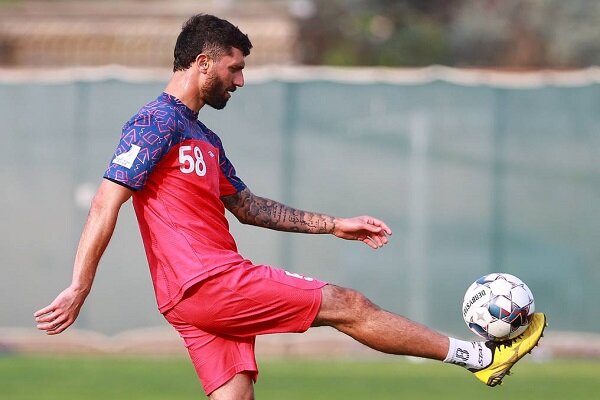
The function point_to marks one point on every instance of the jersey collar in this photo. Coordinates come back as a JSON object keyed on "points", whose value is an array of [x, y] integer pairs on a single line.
{"points": [[185, 110]]}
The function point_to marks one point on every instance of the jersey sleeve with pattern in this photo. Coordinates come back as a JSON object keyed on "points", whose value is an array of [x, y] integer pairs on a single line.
{"points": [[146, 138]]}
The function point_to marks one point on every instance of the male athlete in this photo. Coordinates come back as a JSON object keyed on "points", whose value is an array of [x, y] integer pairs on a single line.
{"points": [[181, 181]]}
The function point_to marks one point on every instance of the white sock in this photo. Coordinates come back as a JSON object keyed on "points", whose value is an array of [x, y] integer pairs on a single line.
{"points": [[471, 355]]}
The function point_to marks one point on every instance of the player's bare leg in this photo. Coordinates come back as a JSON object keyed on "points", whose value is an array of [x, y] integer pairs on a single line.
{"points": [[352, 313], [240, 387]]}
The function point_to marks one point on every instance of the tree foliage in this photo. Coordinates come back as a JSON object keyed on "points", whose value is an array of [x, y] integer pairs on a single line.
{"points": [[478, 33]]}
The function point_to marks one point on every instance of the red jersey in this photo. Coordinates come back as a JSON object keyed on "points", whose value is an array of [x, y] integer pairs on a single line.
{"points": [[178, 170]]}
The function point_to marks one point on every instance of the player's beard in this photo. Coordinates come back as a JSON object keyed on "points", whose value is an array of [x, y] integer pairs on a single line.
{"points": [[216, 93]]}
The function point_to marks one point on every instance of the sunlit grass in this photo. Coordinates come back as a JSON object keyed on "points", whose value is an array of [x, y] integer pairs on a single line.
{"points": [[93, 377]]}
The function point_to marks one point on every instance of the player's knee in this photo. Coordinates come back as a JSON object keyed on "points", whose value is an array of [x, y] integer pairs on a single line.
{"points": [[232, 396], [240, 387], [340, 306]]}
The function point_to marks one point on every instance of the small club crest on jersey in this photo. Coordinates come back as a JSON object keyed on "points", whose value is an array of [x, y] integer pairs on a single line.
{"points": [[126, 159]]}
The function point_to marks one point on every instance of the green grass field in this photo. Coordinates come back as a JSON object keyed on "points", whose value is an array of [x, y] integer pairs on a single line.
{"points": [[93, 377]]}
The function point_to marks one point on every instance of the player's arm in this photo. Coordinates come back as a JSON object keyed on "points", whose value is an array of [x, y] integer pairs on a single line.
{"points": [[98, 229], [259, 211]]}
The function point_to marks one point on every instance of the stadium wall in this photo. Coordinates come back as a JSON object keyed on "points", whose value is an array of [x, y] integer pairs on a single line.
{"points": [[475, 171]]}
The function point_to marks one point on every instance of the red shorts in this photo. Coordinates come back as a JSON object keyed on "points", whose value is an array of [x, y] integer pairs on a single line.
{"points": [[219, 318]]}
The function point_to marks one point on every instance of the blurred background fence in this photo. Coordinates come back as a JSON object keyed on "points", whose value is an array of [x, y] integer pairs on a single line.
{"points": [[475, 172]]}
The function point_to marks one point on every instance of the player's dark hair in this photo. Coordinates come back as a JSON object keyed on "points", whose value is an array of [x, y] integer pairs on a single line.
{"points": [[210, 35]]}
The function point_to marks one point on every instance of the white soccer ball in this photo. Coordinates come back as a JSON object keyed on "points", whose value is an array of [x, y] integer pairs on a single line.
{"points": [[498, 306]]}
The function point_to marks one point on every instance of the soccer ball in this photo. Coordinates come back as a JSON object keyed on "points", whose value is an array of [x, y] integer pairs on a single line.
{"points": [[498, 307]]}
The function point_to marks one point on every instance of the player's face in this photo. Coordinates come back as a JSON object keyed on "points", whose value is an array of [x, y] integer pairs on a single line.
{"points": [[224, 77]]}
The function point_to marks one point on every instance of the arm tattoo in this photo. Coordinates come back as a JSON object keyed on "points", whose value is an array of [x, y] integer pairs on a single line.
{"points": [[258, 211]]}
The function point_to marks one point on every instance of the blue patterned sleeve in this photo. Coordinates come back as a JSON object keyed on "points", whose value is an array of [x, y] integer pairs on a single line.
{"points": [[145, 139]]}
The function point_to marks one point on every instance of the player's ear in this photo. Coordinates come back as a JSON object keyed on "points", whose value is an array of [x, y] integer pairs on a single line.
{"points": [[202, 63]]}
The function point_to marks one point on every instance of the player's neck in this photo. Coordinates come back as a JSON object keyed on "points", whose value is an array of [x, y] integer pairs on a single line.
{"points": [[184, 86]]}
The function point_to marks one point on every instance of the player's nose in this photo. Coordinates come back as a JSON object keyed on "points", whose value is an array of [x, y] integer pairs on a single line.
{"points": [[238, 80]]}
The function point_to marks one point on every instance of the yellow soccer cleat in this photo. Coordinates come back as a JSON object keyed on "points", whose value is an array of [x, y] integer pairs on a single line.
{"points": [[506, 354]]}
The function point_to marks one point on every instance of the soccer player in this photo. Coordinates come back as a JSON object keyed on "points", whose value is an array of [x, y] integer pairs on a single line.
{"points": [[177, 173]]}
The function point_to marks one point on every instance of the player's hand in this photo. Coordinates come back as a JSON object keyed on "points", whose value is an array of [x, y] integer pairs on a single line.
{"points": [[62, 312], [369, 230]]}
